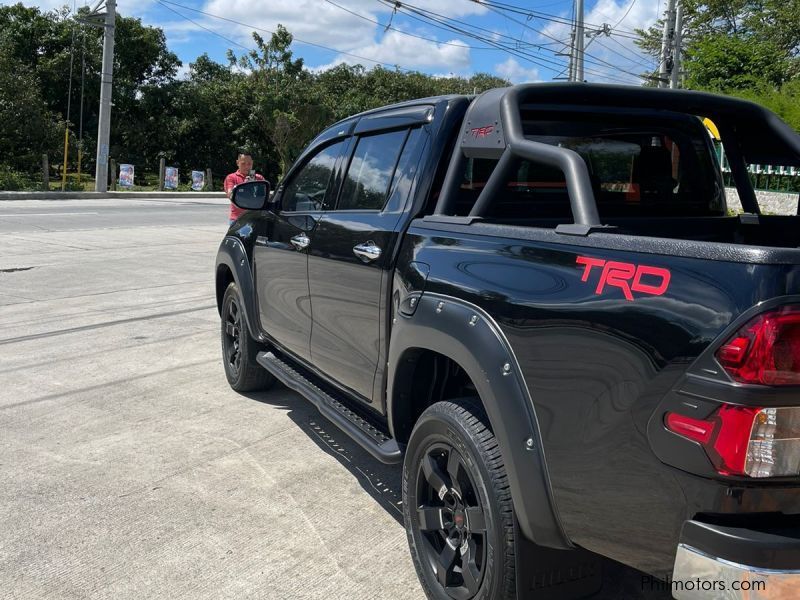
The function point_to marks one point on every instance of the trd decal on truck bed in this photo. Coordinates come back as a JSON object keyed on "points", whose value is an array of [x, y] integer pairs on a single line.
{"points": [[626, 276]]}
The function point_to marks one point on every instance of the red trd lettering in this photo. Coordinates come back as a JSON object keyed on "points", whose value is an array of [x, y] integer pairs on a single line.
{"points": [[655, 290], [589, 263], [617, 274], [625, 276], [480, 132]]}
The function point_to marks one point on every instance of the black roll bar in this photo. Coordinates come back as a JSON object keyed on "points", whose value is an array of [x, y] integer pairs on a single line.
{"points": [[498, 134]]}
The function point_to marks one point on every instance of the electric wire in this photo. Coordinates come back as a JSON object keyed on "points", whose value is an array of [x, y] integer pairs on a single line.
{"points": [[593, 59], [447, 22], [270, 32], [195, 23], [625, 16], [641, 58], [441, 22], [547, 16], [420, 37], [615, 30], [541, 62]]}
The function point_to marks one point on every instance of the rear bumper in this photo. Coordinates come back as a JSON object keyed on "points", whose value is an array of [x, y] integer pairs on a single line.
{"points": [[715, 561]]}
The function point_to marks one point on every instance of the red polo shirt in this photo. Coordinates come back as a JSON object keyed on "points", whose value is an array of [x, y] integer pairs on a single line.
{"points": [[231, 181]]}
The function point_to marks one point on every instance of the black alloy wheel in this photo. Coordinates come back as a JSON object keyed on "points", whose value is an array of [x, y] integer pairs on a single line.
{"points": [[239, 350], [457, 505], [232, 332], [452, 522]]}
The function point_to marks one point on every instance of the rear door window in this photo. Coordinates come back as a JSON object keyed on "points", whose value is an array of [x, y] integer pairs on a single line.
{"points": [[370, 172]]}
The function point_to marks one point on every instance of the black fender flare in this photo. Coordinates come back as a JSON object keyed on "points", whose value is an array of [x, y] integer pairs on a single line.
{"points": [[470, 336], [233, 255]]}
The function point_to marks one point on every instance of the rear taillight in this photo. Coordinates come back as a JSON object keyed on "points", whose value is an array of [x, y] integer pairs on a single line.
{"points": [[765, 351], [744, 440]]}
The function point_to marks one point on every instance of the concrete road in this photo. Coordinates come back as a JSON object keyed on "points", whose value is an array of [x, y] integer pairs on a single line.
{"points": [[128, 468]]}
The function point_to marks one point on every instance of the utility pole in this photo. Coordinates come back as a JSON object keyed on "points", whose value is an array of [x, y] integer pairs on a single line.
{"points": [[674, 80], [106, 79], [571, 68], [579, 40], [665, 62]]}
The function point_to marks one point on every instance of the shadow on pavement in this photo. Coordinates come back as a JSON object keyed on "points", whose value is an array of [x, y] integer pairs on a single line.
{"points": [[383, 483]]}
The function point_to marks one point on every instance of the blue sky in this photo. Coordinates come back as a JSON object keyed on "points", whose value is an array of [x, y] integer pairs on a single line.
{"points": [[419, 35]]}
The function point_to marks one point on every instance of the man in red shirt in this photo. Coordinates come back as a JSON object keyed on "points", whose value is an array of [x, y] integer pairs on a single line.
{"points": [[243, 173]]}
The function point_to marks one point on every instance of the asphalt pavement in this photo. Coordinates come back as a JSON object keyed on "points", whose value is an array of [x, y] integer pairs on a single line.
{"points": [[129, 469]]}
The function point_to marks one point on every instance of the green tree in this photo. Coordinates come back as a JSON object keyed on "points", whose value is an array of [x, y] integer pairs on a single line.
{"points": [[27, 128], [286, 108], [723, 62], [735, 44], [44, 43]]}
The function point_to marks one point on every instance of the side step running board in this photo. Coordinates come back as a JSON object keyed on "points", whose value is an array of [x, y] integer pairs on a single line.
{"points": [[374, 441]]}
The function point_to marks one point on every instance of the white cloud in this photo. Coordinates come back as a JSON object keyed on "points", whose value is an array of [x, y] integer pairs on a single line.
{"points": [[356, 37], [309, 20], [515, 72], [394, 48]]}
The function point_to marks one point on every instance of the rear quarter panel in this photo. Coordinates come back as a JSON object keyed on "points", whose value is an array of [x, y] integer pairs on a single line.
{"points": [[597, 364]]}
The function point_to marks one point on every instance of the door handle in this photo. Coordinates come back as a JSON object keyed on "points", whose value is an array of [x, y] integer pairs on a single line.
{"points": [[301, 241], [367, 251]]}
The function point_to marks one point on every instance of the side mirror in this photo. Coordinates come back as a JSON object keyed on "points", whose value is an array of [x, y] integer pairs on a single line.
{"points": [[251, 195]]}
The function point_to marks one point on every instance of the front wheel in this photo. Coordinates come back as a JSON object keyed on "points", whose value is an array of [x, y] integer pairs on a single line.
{"points": [[457, 503], [239, 350]]}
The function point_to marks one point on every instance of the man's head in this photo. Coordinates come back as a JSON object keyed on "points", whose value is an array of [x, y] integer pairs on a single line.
{"points": [[244, 162]]}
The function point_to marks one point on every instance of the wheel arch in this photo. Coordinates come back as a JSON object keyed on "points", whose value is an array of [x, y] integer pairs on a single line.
{"points": [[233, 265], [472, 340]]}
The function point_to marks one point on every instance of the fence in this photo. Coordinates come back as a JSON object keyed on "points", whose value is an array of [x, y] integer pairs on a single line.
{"points": [[768, 178]]}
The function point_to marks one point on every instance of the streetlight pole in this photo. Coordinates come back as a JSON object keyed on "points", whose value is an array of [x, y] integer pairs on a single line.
{"points": [[106, 80]]}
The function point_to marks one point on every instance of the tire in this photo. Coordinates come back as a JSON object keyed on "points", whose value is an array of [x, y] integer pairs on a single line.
{"points": [[239, 350], [457, 505]]}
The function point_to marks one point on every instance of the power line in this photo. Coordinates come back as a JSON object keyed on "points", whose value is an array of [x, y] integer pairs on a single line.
{"points": [[640, 58], [419, 15], [411, 11], [547, 16], [539, 61], [447, 21], [430, 17], [596, 60], [419, 37], [193, 22], [270, 32], [625, 16]]}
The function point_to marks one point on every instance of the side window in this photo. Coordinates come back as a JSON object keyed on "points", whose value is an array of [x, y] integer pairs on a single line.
{"points": [[307, 189], [370, 172]]}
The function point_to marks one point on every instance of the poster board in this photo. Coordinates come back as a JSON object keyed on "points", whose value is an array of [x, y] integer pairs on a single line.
{"points": [[126, 175], [198, 181], [171, 178]]}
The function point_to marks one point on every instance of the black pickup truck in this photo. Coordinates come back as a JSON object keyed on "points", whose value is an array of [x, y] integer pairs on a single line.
{"points": [[537, 300]]}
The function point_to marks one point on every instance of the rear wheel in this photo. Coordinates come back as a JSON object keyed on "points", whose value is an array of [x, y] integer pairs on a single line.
{"points": [[239, 350], [458, 511]]}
